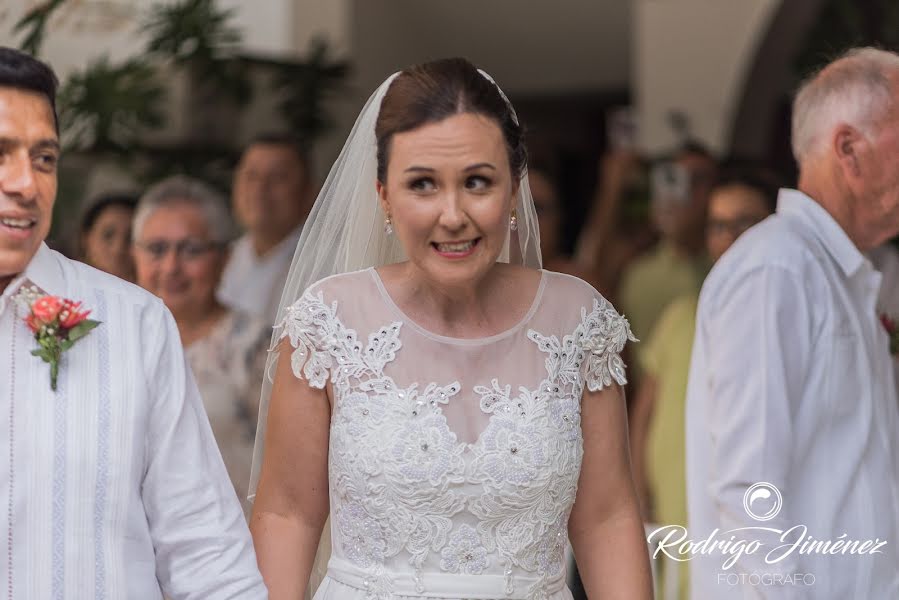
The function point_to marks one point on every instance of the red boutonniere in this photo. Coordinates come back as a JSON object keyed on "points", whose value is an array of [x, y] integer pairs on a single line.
{"points": [[57, 323], [892, 330]]}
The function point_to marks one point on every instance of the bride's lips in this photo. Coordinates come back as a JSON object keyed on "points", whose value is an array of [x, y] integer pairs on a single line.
{"points": [[456, 249]]}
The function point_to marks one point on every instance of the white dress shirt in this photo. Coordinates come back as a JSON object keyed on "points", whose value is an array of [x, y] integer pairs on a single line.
{"points": [[112, 487], [790, 384], [254, 283]]}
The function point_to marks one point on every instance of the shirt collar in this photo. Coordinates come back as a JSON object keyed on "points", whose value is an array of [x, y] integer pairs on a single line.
{"points": [[833, 238], [43, 271]]}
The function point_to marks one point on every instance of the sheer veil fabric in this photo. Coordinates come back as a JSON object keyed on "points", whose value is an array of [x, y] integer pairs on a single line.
{"points": [[345, 233]]}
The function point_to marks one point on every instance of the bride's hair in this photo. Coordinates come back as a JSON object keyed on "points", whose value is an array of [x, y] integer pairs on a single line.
{"points": [[434, 91]]}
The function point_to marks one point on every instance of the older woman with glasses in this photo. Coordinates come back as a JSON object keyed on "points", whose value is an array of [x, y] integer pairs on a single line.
{"points": [[181, 234]]}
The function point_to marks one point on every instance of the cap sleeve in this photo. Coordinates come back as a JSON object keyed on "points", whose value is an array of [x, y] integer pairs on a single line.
{"points": [[311, 327], [605, 332]]}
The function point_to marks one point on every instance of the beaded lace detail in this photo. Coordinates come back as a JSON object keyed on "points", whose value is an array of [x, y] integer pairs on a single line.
{"points": [[401, 481]]}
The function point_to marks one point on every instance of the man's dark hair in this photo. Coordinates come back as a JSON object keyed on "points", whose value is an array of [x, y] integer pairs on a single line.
{"points": [[24, 72], [285, 140], [754, 177], [694, 147]]}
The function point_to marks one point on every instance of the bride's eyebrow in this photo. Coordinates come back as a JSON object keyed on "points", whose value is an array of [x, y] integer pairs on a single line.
{"points": [[480, 166], [474, 167]]}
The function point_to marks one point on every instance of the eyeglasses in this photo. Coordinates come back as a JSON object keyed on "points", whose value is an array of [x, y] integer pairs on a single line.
{"points": [[184, 249]]}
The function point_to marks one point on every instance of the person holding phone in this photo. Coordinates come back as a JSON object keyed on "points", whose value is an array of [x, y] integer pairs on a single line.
{"points": [[677, 264]]}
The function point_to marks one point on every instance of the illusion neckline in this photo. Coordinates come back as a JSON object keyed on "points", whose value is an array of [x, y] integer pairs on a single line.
{"points": [[479, 341]]}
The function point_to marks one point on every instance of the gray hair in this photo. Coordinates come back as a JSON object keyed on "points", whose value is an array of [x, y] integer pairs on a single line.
{"points": [[183, 190], [856, 89]]}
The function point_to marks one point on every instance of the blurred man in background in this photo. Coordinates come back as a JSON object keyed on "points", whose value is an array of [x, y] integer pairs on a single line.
{"points": [[271, 199], [739, 200], [792, 413]]}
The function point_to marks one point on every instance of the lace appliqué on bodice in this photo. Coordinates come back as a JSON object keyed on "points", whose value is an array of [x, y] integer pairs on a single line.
{"points": [[398, 474]]}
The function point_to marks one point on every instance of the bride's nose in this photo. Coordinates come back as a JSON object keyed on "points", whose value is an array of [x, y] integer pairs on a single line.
{"points": [[452, 215]]}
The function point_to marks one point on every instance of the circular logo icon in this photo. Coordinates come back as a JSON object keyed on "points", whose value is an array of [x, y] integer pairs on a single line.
{"points": [[762, 501]]}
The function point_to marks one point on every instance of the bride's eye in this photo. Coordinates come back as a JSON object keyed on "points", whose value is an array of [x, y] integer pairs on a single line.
{"points": [[477, 183], [422, 184]]}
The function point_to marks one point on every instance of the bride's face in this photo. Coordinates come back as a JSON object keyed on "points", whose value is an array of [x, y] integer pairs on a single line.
{"points": [[449, 195]]}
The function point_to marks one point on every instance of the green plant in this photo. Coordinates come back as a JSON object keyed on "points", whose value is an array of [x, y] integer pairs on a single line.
{"points": [[34, 25], [198, 36], [105, 106], [307, 87], [191, 30]]}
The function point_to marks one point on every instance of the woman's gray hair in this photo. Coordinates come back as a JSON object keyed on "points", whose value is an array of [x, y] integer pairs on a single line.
{"points": [[184, 190], [856, 89]]}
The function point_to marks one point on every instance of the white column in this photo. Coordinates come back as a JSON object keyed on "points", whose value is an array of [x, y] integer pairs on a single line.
{"points": [[693, 56]]}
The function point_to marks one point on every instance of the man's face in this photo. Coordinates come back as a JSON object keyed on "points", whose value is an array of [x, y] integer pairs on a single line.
{"points": [[269, 190], [880, 180], [733, 208], [701, 170], [29, 152]]}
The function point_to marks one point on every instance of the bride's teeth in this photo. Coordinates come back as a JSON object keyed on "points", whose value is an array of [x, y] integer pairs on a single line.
{"points": [[463, 247], [17, 223]]}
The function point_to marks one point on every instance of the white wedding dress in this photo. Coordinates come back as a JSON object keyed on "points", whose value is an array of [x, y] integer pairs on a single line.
{"points": [[453, 463]]}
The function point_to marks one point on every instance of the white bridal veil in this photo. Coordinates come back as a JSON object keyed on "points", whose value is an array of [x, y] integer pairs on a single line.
{"points": [[345, 233]]}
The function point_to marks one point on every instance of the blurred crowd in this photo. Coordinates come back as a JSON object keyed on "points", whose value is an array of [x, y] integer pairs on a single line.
{"points": [[181, 240], [655, 227]]}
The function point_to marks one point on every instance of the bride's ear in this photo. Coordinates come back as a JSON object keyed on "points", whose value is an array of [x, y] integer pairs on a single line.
{"points": [[382, 197]]}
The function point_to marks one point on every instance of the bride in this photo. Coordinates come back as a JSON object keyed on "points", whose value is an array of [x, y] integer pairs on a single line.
{"points": [[453, 407]]}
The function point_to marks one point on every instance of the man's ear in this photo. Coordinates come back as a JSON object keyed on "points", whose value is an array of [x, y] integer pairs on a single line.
{"points": [[382, 197], [847, 145]]}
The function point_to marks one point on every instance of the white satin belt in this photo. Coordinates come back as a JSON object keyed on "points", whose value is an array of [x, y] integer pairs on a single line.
{"points": [[444, 585]]}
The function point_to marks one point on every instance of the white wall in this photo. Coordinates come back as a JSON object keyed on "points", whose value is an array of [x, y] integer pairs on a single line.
{"points": [[693, 56], [539, 46], [80, 32], [266, 25], [329, 18]]}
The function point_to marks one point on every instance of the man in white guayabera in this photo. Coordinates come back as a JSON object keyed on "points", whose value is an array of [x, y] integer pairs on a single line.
{"points": [[111, 485], [791, 376]]}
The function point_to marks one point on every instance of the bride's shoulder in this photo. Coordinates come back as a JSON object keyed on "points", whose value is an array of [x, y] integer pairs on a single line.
{"points": [[561, 287], [350, 281], [339, 287]]}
